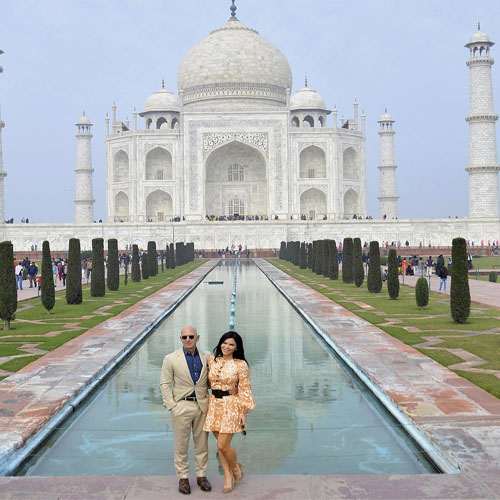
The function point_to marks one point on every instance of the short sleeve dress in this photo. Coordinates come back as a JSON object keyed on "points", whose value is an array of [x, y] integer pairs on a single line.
{"points": [[225, 415]]}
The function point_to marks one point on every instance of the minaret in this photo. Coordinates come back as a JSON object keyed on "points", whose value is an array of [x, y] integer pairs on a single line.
{"points": [[84, 200], [483, 168], [3, 175], [388, 198]]}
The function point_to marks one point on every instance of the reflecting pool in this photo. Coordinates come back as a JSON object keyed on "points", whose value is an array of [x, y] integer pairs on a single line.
{"points": [[312, 416]]}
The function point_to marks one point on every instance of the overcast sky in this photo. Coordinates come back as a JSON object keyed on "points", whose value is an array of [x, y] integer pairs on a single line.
{"points": [[64, 56]]}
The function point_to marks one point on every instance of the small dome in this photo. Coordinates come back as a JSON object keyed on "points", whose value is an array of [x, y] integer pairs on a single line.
{"points": [[307, 98], [480, 37], [163, 100], [385, 117], [84, 120]]}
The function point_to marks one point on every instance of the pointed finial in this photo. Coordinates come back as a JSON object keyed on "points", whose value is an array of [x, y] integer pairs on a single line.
{"points": [[305, 81], [233, 9], [479, 26], [385, 110], [163, 84]]}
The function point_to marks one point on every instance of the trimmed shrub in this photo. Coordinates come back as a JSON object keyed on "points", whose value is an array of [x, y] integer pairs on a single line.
{"points": [[357, 263], [282, 250], [172, 256], [152, 259], [492, 277], [8, 291], [325, 261], [309, 255], [48, 289], [179, 253], [459, 290], [190, 251], [333, 263], [374, 272], [392, 274], [303, 256], [422, 292], [347, 260], [145, 265], [136, 268], [74, 273], [162, 258], [97, 283], [113, 277]]}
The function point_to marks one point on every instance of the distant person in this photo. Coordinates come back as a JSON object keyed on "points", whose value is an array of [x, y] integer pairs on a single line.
{"points": [[19, 271], [32, 273], [443, 276]]}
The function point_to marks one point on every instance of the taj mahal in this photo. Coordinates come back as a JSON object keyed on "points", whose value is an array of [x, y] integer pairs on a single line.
{"points": [[237, 156]]}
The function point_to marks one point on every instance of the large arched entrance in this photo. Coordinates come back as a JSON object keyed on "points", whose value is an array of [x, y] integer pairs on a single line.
{"points": [[121, 207], [313, 204], [159, 206], [158, 165], [235, 181], [351, 204]]}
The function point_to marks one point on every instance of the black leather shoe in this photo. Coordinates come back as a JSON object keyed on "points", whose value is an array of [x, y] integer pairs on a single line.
{"points": [[204, 484], [184, 487]]}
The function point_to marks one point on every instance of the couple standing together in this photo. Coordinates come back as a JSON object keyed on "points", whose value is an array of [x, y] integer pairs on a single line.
{"points": [[186, 377]]}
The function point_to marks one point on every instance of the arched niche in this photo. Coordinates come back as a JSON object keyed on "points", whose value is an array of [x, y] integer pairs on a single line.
{"points": [[159, 206], [120, 166], [295, 122], [158, 165], [161, 123], [350, 164], [121, 207], [235, 171], [312, 163], [313, 204], [308, 121], [351, 204], [174, 124]]}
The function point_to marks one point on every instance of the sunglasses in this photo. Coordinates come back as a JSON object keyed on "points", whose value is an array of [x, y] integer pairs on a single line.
{"points": [[185, 337]]}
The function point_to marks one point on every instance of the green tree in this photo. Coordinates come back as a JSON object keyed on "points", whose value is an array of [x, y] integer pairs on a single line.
{"points": [[8, 291], [172, 256], [309, 255], [162, 259], [492, 276], [459, 290], [190, 251], [152, 259], [357, 263], [333, 263], [303, 255], [392, 274], [282, 250], [48, 289], [74, 273], [422, 292], [136, 268], [374, 272], [145, 265], [113, 277], [98, 282], [347, 260], [179, 253]]}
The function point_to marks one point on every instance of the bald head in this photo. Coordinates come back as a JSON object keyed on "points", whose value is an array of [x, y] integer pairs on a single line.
{"points": [[189, 338], [189, 329]]}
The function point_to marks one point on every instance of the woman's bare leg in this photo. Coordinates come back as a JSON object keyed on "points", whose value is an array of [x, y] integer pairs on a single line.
{"points": [[225, 450]]}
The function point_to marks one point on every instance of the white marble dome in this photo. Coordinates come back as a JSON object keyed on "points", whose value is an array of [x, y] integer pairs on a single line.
{"points": [[307, 98], [480, 37], [236, 60], [84, 120], [163, 100]]}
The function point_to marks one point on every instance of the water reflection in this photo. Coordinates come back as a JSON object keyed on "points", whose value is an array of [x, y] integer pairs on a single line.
{"points": [[311, 415]]}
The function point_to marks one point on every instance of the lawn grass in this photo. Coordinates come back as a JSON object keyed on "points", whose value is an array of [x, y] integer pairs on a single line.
{"points": [[66, 322], [492, 262], [433, 320]]}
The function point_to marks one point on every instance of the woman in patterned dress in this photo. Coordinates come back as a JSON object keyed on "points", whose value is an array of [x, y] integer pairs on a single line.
{"points": [[230, 401]]}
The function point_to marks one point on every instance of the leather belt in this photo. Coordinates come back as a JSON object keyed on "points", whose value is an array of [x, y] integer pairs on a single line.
{"points": [[191, 397], [220, 394]]}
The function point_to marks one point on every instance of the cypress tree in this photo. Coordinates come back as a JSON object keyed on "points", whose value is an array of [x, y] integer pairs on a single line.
{"points": [[190, 251], [316, 263], [333, 265], [113, 278], [422, 292], [374, 272], [459, 290], [282, 250], [145, 265], [357, 263], [347, 260], [74, 273], [309, 255], [303, 256], [136, 268], [392, 274], [172, 256], [8, 291], [98, 282], [179, 253], [152, 259], [48, 289], [162, 258]]}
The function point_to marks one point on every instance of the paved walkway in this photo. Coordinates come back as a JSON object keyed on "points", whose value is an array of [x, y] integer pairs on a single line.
{"points": [[482, 292], [28, 293]]}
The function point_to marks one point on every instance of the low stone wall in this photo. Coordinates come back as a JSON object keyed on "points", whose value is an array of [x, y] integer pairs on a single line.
{"points": [[253, 234]]}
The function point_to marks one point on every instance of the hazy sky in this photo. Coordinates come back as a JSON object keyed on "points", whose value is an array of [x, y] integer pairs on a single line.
{"points": [[63, 56]]}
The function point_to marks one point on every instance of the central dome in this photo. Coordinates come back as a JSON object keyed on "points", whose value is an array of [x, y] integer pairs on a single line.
{"points": [[234, 62]]}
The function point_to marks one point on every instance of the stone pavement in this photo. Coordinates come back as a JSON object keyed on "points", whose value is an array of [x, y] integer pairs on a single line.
{"points": [[28, 293], [35, 394], [482, 292]]}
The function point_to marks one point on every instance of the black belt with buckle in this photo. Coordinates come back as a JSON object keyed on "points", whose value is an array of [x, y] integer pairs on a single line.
{"points": [[220, 394], [191, 397]]}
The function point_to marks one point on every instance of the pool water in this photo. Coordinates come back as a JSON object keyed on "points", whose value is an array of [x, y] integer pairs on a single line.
{"points": [[312, 416]]}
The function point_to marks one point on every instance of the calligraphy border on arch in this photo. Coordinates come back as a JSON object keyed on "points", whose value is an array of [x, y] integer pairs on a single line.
{"points": [[213, 140]]}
